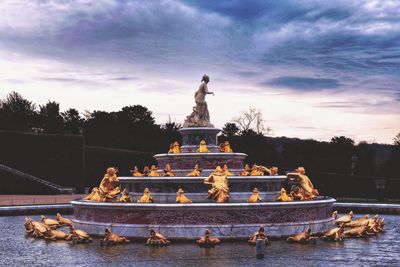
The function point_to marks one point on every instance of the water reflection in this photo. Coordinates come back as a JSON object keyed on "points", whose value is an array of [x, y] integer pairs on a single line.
{"points": [[17, 250]]}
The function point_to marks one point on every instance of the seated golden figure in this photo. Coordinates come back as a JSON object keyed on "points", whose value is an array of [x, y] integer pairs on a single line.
{"points": [[208, 241], [255, 171], [146, 171], [307, 188], [226, 171], [246, 171], [168, 171], [146, 197], [225, 147], [126, 198], [196, 172], [109, 186], [255, 197], [203, 147], [176, 149], [156, 239], [111, 238], [181, 198], [153, 171], [283, 196], [295, 193], [95, 195], [260, 234], [303, 238], [219, 182], [136, 173]]}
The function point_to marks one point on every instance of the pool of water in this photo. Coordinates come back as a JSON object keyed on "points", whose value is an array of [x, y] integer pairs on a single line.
{"points": [[18, 250]]}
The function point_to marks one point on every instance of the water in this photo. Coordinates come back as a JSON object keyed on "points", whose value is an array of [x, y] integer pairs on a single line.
{"points": [[17, 250]]}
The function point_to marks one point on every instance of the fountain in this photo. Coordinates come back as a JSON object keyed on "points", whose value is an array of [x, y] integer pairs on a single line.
{"points": [[235, 219]]}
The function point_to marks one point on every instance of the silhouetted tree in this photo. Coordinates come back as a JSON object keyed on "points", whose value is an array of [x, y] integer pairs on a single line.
{"points": [[252, 120], [50, 118], [230, 129], [72, 121], [396, 140], [17, 113]]}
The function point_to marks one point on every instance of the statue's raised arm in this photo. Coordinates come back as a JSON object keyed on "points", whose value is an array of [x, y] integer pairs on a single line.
{"points": [[200, 117]]}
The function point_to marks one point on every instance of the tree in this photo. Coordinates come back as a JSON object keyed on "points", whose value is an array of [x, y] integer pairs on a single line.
{"points": [[252, 119], [50, 118], [17, 113], [72, 121], [396, 140], [230, 129], [342, 140]]}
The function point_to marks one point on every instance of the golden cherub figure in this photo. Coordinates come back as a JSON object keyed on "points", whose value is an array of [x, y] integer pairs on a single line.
{"points": [[226, 171], [125, 196], [196, 172], [174, 148], [136, 173], [255, 197], [283, 196], [246, 171], [307, 189], [168, 171], [153, 171], [219, 182], [181, 198], [203, 147], [146, 197], [109, 186]]}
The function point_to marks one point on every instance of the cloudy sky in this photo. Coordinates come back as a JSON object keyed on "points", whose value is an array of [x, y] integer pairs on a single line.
{"points": [[316, 69]]}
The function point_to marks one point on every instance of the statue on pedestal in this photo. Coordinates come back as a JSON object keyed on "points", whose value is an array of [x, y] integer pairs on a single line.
{"points": [[200, 117]]}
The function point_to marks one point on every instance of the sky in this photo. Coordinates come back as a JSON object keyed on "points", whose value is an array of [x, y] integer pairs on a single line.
{"points": [[316, 69]]}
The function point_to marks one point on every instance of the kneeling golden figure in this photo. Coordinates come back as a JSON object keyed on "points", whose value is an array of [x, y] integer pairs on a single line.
{"points": [[260, 234], [255, 197], [203, 147], [219, 185], [146, 197], [181, 198], [196, 172], [111, 238], [168, 171], [283, 196], [226, 171], [156, 239], [95, 195], [153, 171], [125, 198], [307, 188], [208, 241]]}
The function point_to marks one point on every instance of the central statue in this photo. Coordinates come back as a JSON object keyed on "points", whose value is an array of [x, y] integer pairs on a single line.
{"points": [[200, 117]]}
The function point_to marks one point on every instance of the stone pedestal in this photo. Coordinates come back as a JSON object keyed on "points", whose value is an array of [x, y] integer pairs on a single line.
{"points": [[192, 136]]}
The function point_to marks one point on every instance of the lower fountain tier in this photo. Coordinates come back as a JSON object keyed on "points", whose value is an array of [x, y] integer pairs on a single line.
{"points": [[196, 184], [188, 221], [206, 161]]}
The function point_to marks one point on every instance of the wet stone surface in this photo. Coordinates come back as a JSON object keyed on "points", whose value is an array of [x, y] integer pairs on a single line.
{"points": [[17, 250]]}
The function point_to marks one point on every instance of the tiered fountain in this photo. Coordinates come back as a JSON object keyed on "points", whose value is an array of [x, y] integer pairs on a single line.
{"points": [[235, 219]]}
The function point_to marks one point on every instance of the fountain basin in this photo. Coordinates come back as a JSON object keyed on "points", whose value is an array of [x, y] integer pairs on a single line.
{"points": [[188, 221]]}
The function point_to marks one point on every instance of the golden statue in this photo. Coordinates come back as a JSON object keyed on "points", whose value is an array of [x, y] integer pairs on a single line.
{"points": [[226, 171], [271, 171], [95, 195], [283, 196], [181, 198], [156, 239], [63, 221], [168, 171], [146, 171], [203, 147], [246, 171], [135, 172], [53, 224], [360, 231], [303, 238], [79, 236], [255, 197], [146, 197], [109, 186], [359, 222], [295, 193], [35, 229], [126, 198], [153, 171], [307, 188], [111, 239], [54, 235], [175, 148], [225, 147], [260, 234], [219, 182], [196, 172], [255, 171], [208, 241], [344, 219], [335, 234]]}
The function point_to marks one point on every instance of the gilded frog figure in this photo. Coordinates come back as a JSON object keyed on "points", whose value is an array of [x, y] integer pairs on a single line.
{"points": [[156, 239], [135, 172], [260, 234], [203, 147], [111, 238], [168, 171]]}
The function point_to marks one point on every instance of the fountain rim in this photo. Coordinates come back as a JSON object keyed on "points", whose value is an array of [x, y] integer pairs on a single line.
{"points": [[200, 178], [325, 200], [200, 154]]}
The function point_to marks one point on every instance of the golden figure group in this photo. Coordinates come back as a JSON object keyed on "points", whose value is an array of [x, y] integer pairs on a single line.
{"points": [[225, 147], [219, 185], [108, 189]]}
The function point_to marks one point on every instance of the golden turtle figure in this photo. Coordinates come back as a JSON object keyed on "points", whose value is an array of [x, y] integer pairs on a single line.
{"points": [[79, 236], [111, 238], [53, 224], [208, 241], [54, 235]]}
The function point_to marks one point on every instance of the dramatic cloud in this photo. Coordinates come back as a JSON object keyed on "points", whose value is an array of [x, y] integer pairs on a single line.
{"points": [[341, 57]]}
